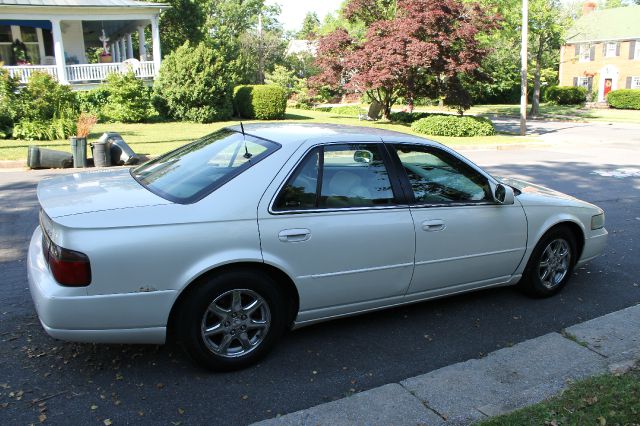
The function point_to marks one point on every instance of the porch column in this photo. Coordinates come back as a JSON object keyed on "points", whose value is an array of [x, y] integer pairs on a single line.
{"points": [[123, 50], [116, 51], [142, 44], [58, 50], [129, 46], [155, 32]]}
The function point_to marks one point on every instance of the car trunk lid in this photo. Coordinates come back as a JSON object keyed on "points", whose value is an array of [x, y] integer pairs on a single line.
{"points": [[98, 190]]}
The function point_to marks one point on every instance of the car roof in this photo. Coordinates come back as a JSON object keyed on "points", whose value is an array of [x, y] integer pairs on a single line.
{"points": [[298, 133]]}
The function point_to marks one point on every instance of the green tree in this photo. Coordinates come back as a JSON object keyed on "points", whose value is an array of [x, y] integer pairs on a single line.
{"points": [[283, 77], [310, 26], [249, 48], [183, 21]]}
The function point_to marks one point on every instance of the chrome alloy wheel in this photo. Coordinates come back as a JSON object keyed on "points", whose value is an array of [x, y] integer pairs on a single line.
{"points": [[235, 323], [554, 263]]}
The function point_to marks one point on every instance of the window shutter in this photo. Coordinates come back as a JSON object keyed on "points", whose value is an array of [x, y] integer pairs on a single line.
{"points": [[577, 47], [575, 81], [592, 54], [618, 49], [629, 82], [589, 84], [632, 49], [604, 49]]}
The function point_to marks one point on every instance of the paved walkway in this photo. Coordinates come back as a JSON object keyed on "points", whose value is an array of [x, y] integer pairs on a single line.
{"points": [[505, 380]]}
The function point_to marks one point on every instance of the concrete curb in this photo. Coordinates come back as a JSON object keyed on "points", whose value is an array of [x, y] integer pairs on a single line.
{"points": [[503, 381]]}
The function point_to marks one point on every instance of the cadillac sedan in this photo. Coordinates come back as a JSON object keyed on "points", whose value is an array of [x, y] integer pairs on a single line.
{"points": [[227, 242]]}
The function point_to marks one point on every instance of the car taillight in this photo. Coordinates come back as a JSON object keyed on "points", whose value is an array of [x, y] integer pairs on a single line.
{"points": [[69, 268]]}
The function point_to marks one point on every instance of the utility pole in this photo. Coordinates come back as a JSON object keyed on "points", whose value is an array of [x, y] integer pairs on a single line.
{"points": [[523, 71], [260, 51]]}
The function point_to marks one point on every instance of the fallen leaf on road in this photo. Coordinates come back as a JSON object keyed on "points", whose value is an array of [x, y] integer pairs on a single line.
{"points": [[245, 396], [107, 422], [180, 410], [42, 417], [94, 407]]}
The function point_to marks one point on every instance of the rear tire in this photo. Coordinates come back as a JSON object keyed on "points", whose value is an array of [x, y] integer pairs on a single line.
{"points": [[551, 264], [232, 320]]}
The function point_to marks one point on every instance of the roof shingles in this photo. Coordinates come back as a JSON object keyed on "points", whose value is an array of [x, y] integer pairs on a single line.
{"points": [[621, 23]]}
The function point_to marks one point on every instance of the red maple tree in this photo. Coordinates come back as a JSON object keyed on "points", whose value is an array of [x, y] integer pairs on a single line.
{"points": [[425, 49]]}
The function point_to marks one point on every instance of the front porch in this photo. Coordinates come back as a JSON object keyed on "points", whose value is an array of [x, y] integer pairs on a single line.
{"points": [[80, 45]]}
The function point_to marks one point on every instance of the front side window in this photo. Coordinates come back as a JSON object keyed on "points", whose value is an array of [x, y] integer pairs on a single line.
{"points": [[584, 52], [191, 172], [437, 177], [611, 49], [583, 82], [338, 176], [635, 82]]}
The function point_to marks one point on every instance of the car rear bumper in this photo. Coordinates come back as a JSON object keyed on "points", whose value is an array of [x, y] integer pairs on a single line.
{"points": [[593, 246], [69, 313]]}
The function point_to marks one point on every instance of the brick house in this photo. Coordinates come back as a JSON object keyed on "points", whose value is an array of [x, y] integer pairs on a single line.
{"points": [[602, 51]]}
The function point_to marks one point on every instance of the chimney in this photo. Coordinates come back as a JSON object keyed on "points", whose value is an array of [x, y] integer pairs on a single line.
{"points": [[588, 7]]}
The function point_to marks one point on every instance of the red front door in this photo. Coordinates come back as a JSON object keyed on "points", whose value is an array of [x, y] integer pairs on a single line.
{"points": [[607, 86]]}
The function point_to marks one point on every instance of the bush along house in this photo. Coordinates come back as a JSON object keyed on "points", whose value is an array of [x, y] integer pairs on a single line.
{"points": [[602, 51]]}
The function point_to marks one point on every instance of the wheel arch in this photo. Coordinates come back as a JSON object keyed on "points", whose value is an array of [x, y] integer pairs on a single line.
{"points": [[282, 279], [574, 226]]}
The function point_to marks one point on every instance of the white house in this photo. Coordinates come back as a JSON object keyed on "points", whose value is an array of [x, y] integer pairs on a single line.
{"points": [[54, 35]]}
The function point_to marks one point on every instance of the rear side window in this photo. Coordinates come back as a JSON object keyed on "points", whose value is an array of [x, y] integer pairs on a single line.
{"points": [[338, 176], [190, 173]]}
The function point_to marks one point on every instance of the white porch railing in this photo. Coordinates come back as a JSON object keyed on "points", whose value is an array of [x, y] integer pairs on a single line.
{"points": [[23, 72], [99, 72], [85, 72]]}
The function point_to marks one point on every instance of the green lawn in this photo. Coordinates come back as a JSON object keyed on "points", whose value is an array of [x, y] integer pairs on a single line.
{"points": [[603, 400], [157, 138], [555, 112]]}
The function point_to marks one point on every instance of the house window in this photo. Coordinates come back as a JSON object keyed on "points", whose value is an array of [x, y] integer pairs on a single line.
{"points": [[584, 52], [30, 40], [583, 82], [635, 82], [611, 49], [636, 54], [5, 44]]}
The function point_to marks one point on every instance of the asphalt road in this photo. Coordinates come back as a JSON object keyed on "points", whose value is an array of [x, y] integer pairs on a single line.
{"points": [[87, 384]]}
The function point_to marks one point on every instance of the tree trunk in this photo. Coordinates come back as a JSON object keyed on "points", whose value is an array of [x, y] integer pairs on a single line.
{"points": [[535, 103]]}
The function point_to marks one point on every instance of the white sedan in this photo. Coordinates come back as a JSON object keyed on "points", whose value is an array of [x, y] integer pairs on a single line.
{"points": [[229, 241]]}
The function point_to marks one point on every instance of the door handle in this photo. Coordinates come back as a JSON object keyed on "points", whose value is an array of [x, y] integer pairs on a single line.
{"points": [[294, 235], [433, 225]]}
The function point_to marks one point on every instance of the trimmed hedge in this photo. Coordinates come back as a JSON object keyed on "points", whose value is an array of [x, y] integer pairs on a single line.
{"points": [[624, 99], [128, 101], [453, 125], [566, 95], [260, 101], [343, 110]]}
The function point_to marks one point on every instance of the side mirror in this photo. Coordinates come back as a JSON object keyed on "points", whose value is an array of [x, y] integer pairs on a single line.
{"points": [[362, 156], [504, 194]]}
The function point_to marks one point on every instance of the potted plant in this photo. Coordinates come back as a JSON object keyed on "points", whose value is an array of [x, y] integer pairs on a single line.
{"points": [[79, 142]]}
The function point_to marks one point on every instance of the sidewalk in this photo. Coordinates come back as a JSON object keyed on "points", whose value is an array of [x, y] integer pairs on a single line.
{"points": [[505, 380]]}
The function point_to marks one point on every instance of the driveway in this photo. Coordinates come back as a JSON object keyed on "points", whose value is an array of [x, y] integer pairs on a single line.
{"points": [[88, 384]]}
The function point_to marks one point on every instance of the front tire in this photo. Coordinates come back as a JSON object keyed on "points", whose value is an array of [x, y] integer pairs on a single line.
{"points": [[232, 320], [551, 264]]}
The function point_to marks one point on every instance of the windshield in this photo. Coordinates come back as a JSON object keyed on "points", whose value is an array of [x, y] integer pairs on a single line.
{"points": [[193, 171]]}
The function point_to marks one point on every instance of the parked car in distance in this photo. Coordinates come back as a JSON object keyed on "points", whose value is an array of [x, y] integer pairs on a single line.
{"points": [[227, 242]]}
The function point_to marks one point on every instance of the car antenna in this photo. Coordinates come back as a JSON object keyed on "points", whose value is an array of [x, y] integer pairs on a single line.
{"points": [[247, 154]]}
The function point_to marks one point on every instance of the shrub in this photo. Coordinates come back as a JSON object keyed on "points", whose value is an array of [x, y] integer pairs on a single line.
{"points": [[57, 128], [352, 110], [93, 101], [43, 99], [9, 106], [454, 126], [128, 100], [195, 84], [624, 99], [566, 95], [408, 117], [261, 101]]}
